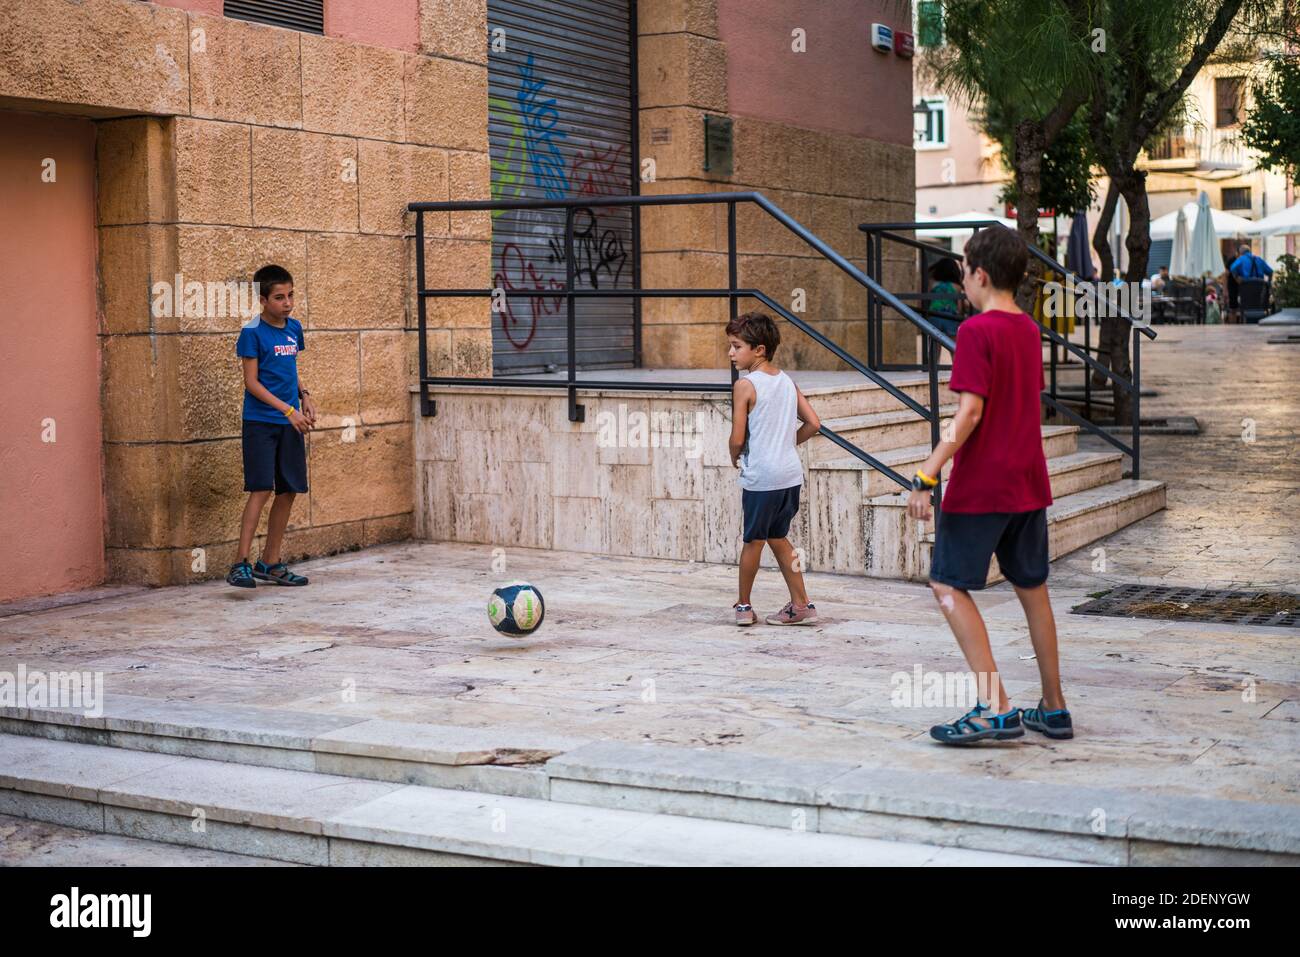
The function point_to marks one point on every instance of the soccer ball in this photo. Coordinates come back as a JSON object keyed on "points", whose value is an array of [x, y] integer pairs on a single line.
{"points": [[516, 609]]}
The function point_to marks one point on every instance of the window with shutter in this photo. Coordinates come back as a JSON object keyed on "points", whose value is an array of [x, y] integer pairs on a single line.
{"points": [[1228, 92]]}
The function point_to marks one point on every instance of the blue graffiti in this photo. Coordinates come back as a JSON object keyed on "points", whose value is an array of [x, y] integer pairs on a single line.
{"points": [[540, 119]]}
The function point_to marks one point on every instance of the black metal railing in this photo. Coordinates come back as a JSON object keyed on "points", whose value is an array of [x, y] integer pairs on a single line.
{"points": [[733, 293], [878, 233]]}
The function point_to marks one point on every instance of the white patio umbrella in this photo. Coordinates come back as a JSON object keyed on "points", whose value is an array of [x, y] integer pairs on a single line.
{"points": [[1226, 225], [1285, 223], [1182, 246], [941, 231], [1205, 258]]}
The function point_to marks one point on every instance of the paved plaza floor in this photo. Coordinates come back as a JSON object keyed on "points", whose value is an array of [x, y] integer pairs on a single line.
{"points": [[643, 650]]}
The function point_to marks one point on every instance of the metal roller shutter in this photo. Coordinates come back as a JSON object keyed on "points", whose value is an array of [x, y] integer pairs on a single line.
{"points": [[560, 126], [307, 16]]}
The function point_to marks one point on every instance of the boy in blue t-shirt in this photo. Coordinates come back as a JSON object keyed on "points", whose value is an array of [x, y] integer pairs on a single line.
{"points": [[278, 412]]}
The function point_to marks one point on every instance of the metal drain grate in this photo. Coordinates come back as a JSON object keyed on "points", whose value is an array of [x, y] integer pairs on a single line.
{"points": [[1278, 609]]}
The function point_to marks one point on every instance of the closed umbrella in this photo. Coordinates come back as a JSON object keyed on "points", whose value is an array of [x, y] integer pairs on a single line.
{"points": [[1205, 259], [1182, 246], [1078, 251]]}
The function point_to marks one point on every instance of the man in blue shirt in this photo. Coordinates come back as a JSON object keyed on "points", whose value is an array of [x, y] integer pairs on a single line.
{"points": [[278, 412], [1249, 266]]}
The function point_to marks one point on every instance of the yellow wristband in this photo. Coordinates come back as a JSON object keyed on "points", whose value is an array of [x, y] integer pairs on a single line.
{"points": [[290, 413], [932, 482]]}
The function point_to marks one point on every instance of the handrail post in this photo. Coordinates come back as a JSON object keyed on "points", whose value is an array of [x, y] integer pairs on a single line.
{"points": [[936, 494], [871, 304], [1137, 402], [427, 406], [732, 306], [1087, 373], [577, 413]]}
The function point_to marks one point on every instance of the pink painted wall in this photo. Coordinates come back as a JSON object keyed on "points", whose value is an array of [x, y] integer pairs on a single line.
{"points": [[378, 23], [838, 84], [51, 493]]}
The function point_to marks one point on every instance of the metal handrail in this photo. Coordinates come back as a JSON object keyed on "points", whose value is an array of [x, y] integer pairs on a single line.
{"points": [[733, 293], [1050, 396]]}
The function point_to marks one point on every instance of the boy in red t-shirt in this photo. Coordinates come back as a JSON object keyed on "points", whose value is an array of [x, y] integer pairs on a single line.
{"points": [[996, 500]]}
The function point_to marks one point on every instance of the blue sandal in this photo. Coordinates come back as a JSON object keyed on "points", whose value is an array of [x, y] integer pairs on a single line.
{"points": [[1054, 724], [278, 573], [241, 575], [1001, 727]]}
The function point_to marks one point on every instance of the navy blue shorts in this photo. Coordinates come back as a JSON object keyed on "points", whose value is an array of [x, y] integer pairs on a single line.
{"points": [[964, 544], [768, 514], [275, 457]]}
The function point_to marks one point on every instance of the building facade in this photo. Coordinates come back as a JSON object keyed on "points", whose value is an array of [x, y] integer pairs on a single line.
{"points": [[161, 152]]}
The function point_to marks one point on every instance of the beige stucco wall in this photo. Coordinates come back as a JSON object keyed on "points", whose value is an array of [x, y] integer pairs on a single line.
{"points": [[825, 173], [223, 145]]}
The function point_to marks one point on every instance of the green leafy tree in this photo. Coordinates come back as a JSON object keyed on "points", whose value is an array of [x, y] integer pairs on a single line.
{"points": [[1027, 63], [1152, 51], [1272, 128]]}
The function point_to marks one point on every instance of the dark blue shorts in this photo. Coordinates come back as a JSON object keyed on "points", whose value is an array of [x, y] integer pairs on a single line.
{"points": [[963, 545], [768, 514], [275, 457]]}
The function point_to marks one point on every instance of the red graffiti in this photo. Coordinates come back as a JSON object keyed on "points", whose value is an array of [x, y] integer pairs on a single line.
{"points": [[518, 273], [600, 172]]}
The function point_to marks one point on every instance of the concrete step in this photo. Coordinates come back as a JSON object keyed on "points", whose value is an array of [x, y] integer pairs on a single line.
{"points": [[874, 432], [28, 843], [1058, 440], [307, 817], [1092, 825], [863, 397], [900, 548], [850, 532], [265, 807]]}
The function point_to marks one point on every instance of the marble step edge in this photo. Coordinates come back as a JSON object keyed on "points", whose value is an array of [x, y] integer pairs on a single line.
{"points": [[500, 759], [1079, 504], [780, 796], [909, 454], [1091, 824], [871, 420], [1067, 506], [912, 381], [312, 818]]}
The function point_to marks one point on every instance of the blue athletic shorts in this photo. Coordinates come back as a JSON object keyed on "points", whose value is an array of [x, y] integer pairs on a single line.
{"points": [[964, 543], [768, 514], [275, 457]]}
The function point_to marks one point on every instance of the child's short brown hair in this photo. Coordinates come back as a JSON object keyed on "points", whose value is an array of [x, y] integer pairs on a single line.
{"points": [[999, 252], [756, 329]]}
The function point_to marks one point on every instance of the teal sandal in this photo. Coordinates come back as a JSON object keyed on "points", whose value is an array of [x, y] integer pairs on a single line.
{"points": [[1001, 727], [241, 575], [1055, 724], [278, 573]]}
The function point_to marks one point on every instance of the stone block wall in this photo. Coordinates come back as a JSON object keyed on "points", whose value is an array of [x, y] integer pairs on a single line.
{"points": [[829, 181], [224, 145]]}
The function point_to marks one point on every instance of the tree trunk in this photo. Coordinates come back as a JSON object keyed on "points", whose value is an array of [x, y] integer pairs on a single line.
{"points": [[1101, 243], [1031, 142]]}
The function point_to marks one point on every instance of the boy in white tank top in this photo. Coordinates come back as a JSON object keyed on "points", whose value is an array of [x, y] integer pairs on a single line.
{"points": [[764, 432]]}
